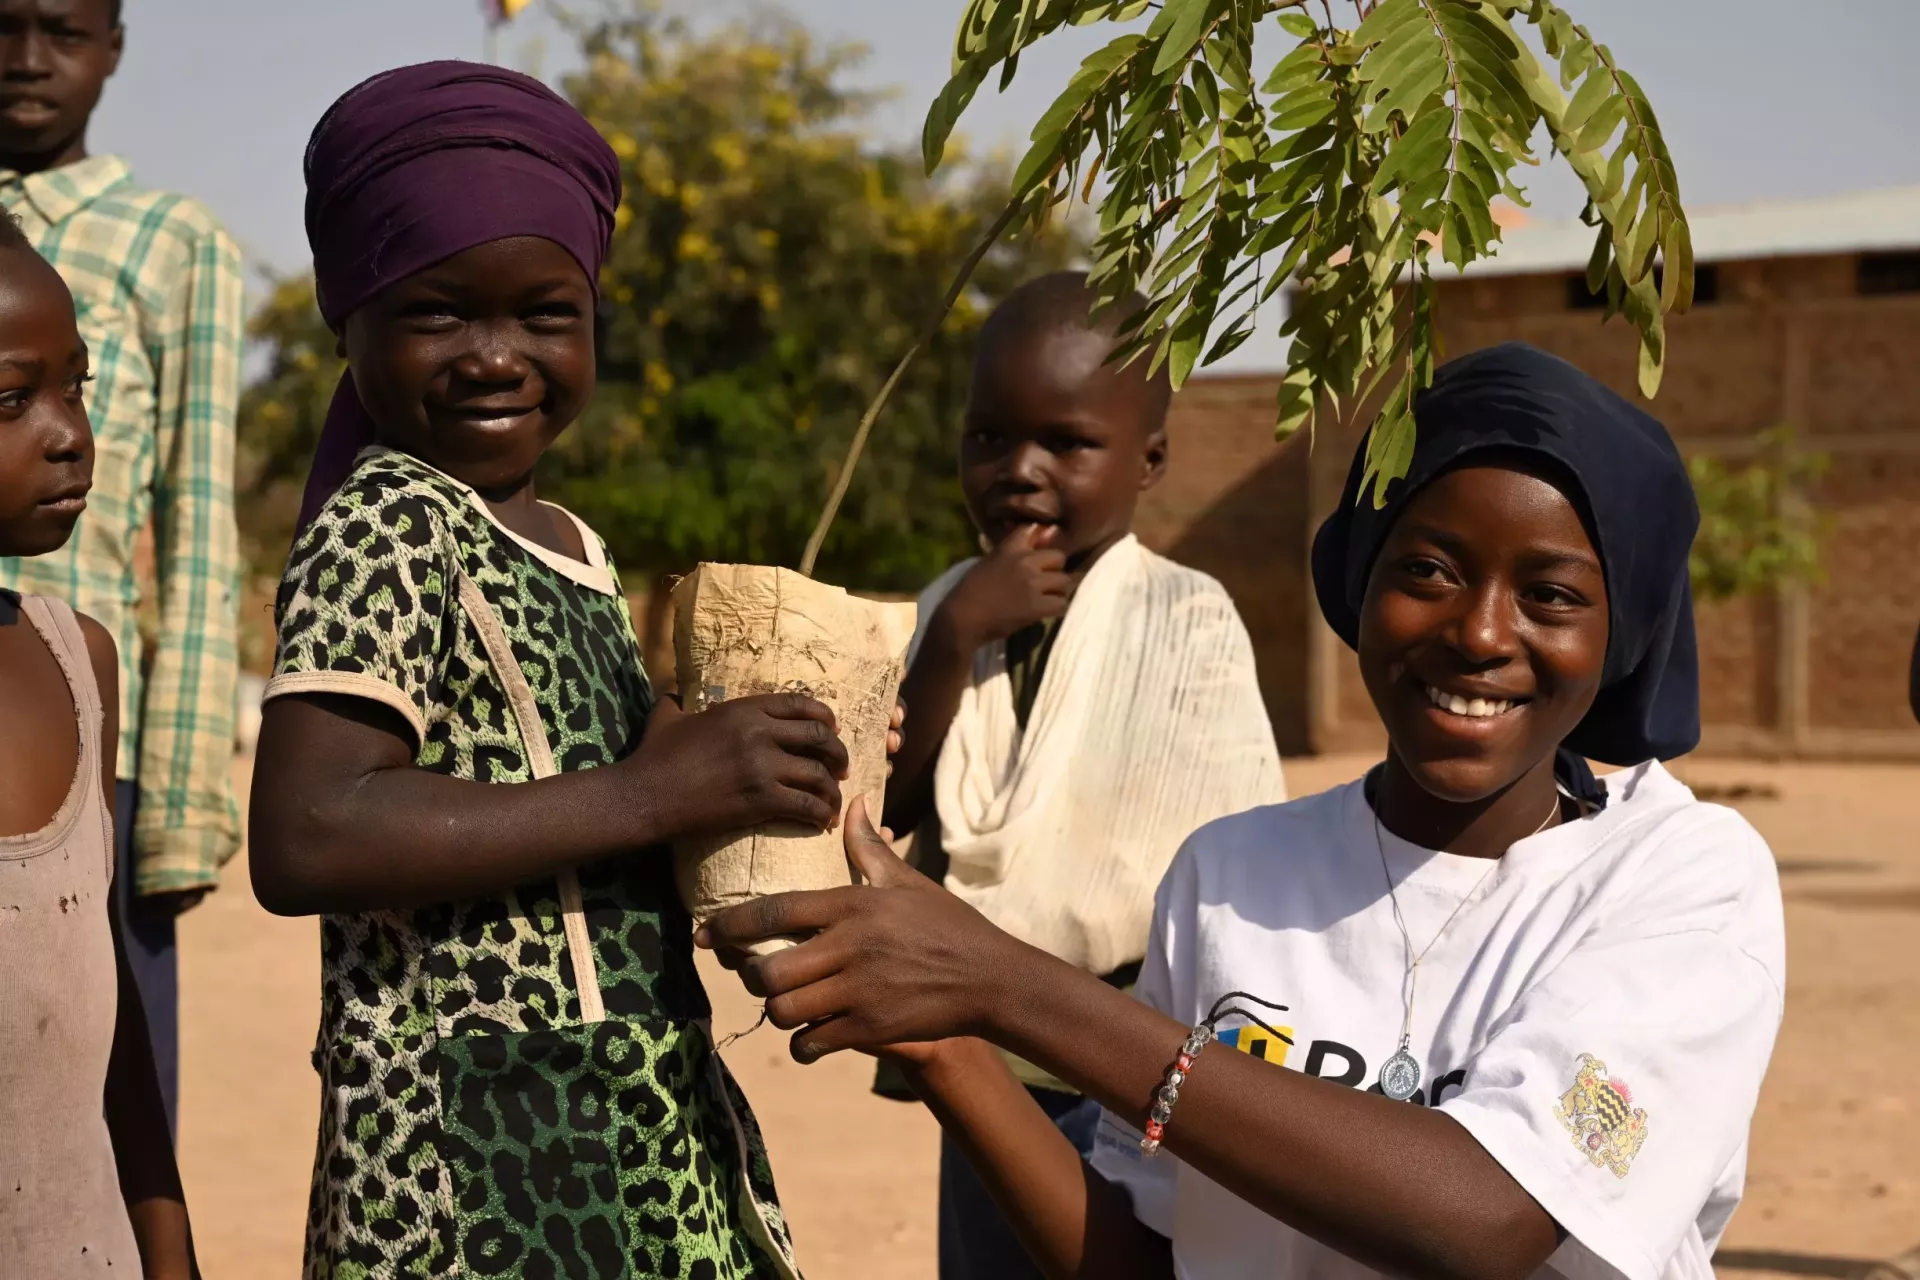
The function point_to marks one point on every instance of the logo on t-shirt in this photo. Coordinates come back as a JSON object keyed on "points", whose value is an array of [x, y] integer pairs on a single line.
{"points": [[1259, 1042], [1326, 1060], [1599, 1112]]}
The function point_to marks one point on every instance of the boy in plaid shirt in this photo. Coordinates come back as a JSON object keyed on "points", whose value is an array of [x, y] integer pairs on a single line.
{"points": [[158, 288]]}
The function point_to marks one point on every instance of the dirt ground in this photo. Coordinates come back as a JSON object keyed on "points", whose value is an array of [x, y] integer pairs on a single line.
{"points": [[1835, 1165]]}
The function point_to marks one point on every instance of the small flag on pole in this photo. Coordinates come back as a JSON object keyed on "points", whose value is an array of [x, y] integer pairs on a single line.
{"points": [[500, 12]]}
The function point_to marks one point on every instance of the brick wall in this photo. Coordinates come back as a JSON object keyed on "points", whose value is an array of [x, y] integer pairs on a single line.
{"points": [[1819, 671]]}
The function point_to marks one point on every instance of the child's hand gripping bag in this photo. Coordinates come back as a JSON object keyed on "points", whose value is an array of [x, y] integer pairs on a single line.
{"points": [[741, 630]]}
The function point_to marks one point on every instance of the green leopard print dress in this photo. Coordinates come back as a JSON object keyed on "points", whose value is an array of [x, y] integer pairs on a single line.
{"points": [[521, 1085]]}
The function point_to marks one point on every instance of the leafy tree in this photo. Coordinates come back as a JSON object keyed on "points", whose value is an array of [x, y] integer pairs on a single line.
{"points": [[771, 262], [1756, 528], [1361, 153]]}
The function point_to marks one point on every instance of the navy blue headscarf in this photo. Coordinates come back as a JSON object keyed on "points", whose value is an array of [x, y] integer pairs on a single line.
{"points": [[1634, 492]]}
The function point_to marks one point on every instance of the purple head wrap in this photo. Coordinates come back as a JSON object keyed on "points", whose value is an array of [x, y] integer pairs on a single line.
{"points": [[421, 163]]}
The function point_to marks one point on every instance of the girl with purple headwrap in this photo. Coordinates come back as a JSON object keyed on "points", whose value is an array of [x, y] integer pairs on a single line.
{"points": [[462, 768]]}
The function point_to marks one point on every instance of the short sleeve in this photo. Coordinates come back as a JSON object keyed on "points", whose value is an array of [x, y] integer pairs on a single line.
{"points": [[1619, 1089], [1166, 979], [365, 603]]}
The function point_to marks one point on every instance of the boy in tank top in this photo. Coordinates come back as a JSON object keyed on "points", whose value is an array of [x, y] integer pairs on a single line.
{"points": [[87, 1158]]}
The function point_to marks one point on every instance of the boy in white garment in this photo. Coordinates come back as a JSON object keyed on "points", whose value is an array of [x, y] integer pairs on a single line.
{"points": [[1077, 704]]}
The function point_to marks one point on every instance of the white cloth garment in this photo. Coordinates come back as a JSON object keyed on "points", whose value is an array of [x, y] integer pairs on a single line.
{"points": [[1598, 1017], [1148, 724]]}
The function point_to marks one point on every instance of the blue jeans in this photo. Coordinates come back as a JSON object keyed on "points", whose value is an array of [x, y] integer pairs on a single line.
{"points": [[976, 1241], [148, 935]]}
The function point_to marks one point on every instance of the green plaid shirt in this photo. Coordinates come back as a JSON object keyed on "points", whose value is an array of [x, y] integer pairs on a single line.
{"points": [[158, 289]]}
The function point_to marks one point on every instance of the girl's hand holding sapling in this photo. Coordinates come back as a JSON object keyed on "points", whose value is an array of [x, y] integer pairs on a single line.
{"points": [[772, 758]]}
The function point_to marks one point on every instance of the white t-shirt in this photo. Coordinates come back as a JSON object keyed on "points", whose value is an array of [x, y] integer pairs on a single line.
{"points": [[1599, 1016]]}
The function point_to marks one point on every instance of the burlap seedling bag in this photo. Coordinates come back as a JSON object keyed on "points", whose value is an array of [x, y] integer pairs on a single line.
{"points": [[743, 629]]}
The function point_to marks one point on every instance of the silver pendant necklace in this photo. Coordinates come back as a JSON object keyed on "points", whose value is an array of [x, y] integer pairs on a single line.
{"points": [[1400, 1074]]}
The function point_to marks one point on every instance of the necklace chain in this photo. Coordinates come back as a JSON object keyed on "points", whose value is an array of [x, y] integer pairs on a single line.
{"points": [[1410, 980]]}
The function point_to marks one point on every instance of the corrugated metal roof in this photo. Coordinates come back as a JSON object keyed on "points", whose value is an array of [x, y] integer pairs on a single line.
{"points": [[1853, 222]]}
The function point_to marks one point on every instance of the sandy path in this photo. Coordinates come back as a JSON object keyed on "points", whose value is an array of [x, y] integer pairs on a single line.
{"points": [[1834, 1166]]}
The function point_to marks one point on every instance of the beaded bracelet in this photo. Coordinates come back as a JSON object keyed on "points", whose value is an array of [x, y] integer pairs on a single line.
{"points": [[1202, 1035], [1169, 1092]]}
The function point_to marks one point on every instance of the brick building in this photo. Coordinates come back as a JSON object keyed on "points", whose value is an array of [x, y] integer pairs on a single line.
{"points": [[1806, 314]]}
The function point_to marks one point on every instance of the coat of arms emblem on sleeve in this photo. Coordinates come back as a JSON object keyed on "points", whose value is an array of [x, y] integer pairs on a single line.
{"points": [[1599, 1112]]}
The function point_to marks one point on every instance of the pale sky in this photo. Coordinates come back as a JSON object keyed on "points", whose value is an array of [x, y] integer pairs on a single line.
{"points": [[1760, 99]]}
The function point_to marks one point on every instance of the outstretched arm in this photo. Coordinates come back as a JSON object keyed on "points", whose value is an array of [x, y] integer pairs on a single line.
{"points": [[1070, 1219], [343, 821], [135, 1109], [1402, 1189]]}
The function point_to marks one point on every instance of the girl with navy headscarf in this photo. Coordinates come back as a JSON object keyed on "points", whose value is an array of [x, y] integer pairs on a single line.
{"points": [[1476, 1014], [462, 768]]}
